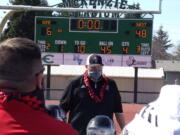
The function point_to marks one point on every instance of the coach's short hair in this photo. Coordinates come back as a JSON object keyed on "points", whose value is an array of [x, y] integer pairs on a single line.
{"points": [[20, 60]]}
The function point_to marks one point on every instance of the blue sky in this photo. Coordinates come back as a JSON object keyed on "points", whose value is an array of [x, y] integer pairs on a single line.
{"points": [[169, 18]]}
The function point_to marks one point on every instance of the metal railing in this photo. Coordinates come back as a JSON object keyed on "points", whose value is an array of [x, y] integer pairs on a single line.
{"points": [[61, 9], [55, 94]]}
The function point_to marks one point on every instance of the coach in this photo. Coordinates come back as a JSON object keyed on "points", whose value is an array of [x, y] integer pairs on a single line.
{"points": [[91, 94]]}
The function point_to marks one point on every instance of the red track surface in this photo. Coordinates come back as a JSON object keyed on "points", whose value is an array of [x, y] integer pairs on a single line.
{"points": [[129, 110]]}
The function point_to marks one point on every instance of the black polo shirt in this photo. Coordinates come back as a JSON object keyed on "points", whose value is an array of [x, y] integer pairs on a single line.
{"points": [[82, 107]]}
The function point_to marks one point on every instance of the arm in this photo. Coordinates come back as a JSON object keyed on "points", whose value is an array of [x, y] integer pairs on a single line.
{"points": [[66, 100], [120, 119], [118, 108]]}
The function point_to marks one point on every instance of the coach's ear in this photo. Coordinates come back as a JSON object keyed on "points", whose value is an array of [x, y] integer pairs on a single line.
{"points": [[39, 81]]}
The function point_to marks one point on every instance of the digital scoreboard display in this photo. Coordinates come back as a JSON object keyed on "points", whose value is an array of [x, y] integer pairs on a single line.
{"points": [[93, 25], [93, 35]]}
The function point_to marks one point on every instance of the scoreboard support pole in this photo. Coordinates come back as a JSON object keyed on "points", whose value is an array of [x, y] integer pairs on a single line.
{"points": [[135, 84], [48, 84]]}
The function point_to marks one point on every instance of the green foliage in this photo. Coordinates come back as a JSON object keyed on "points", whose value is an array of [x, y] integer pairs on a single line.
{"points": [[160, 44], [21, 24], [29, 2]]}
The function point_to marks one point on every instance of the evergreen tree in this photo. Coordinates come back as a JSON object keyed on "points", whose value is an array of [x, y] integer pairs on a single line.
{"points": [[160, 45], [177, 52], [21, 23]]}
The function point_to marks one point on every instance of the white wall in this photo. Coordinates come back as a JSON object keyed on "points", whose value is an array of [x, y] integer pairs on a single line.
{"points": [[123, 83]]}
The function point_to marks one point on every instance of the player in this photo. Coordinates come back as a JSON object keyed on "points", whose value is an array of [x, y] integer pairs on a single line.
{"points": [[100, 125], [161, 117]]}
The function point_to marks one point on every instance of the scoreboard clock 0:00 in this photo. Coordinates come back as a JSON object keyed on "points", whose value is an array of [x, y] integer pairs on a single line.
{"points": [[93, 35]]}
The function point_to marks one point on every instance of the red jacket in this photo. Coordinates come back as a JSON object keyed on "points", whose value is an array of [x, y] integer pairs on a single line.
{"points": [[18, 118]]}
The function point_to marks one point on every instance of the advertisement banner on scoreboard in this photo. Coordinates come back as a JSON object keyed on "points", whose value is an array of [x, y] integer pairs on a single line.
{"points": [[136, 61], [108, 60]]}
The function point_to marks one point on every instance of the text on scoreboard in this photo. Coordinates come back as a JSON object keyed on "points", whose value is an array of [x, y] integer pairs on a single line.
{"points": [[93, 35]]}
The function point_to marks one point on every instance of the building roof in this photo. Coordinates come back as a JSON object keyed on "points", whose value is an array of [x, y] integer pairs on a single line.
{"points": [[112, 71], [168, 65]]}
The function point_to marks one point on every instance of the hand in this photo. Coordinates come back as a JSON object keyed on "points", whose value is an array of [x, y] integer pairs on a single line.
{"points": [[56, 112]]}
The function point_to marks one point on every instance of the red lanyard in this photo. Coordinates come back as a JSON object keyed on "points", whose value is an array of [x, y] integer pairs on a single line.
{"points": [[97, 98]]}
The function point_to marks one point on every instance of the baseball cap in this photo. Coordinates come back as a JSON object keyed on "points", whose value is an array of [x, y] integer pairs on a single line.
{"points": [[94, 60]]}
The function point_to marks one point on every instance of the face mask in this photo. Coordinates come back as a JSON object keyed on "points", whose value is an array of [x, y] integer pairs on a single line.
{"points": [[94, 74]]}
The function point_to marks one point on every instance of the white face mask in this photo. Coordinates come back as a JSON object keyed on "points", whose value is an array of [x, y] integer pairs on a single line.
{"points": [[94, 74]]}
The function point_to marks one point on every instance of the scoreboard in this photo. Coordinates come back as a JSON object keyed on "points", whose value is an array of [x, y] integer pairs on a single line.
{"points": [[94, 35]]}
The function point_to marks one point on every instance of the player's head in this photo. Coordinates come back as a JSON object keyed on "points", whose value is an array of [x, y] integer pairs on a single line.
{"points": [[20, 65], [94, 66], [100, 125]]}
